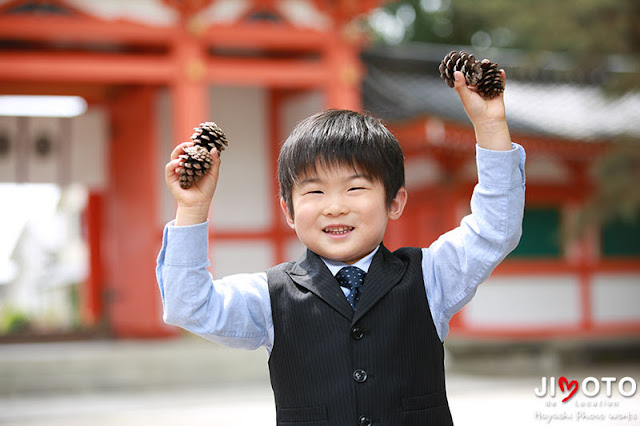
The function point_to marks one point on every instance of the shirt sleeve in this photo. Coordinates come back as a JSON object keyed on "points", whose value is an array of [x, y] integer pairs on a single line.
{"points": [[457, 262], [234, 311]]}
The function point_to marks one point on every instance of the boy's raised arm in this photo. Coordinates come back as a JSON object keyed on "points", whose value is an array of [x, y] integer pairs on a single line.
{"points": [[193, 203], [456, 263], [235, 310]]}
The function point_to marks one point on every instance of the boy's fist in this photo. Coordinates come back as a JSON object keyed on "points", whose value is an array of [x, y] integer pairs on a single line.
{"points": [[479, 109], [484, 75], [192, 173], [193, 203], [200, 192], [197, 159], [487, 115]]}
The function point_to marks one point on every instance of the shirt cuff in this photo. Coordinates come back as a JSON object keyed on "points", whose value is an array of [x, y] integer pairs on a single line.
{"points": [[186, 245], [501, 169]]}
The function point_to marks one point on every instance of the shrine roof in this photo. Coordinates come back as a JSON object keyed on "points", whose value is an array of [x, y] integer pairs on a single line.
{"points": [[403, 82]]}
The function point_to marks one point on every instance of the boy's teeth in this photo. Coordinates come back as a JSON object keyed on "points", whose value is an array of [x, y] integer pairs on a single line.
{"points": [[340, 230]]}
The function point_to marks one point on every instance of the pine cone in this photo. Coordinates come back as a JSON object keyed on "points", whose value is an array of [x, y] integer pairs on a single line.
{"points": [[460, 61], [491, 84], [210, 135], [483, 74], [197, 158]]}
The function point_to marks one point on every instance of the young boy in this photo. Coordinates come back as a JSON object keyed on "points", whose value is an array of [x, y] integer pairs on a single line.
{"points": [[349, 346]]}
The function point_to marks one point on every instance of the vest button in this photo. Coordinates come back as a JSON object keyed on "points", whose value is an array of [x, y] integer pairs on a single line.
{"points": [[364, 421], [360, 375], [357, 333]]}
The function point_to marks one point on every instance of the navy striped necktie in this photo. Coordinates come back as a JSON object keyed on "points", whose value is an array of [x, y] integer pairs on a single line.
{"points": [[351, 277]]}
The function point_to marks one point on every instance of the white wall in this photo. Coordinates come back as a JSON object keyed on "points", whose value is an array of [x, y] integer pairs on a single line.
{"points": [[525, 302], [553, 300], [234, 257], [243, 195], [299, 107], [616, 297], [89, 136]]}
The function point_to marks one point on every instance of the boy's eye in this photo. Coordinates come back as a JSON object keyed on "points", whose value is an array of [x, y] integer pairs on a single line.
{"points": [[356, 188], [317, 191]]}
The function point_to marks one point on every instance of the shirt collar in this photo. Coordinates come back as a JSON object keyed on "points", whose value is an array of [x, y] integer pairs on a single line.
{"points": [[364, 263]]}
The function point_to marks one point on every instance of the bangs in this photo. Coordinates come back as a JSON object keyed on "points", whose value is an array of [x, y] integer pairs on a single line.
{"points": [[334, 159], [341, 138]]}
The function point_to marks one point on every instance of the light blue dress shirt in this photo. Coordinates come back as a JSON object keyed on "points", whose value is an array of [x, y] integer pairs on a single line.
{"points": [[236, 310]]}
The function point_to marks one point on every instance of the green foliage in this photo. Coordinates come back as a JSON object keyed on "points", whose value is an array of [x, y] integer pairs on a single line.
{"points": [[14, 322], [617, 196], [589, 27], [591, 33], [585, 27]]}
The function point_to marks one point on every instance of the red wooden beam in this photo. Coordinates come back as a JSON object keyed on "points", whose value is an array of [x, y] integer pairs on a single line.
{"points": [[85, 67], [618, 266], [188, 7], [269, 234], [345, 10], [427, 134], [9, 7], [264, 35], [157, 69], [598, 331], [258, 35], [92, 93], [560, 266], [81, 29], [288, 73]]}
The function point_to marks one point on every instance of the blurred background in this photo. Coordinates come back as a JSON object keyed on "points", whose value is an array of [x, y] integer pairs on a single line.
{"points": [[95, 94]]}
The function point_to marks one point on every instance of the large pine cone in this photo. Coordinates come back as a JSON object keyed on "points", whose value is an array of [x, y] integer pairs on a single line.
{"points": [[460, 61], [196, 159], [491, 84], [208, 134], [484, 74]]}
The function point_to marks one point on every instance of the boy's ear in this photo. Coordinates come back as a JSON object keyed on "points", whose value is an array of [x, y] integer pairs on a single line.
{"points": [[287, 215], [397, 204]]}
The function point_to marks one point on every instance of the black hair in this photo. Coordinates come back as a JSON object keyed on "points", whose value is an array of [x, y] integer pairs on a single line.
{"points": [[341, 137]]}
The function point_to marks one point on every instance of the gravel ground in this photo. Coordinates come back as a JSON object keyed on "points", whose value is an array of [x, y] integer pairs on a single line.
{"points": [[190, 383]]}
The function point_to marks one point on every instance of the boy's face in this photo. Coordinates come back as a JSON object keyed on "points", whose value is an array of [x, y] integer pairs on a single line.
{"points": [[341, 214]]}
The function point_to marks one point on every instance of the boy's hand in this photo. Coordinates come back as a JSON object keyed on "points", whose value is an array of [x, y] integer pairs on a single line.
{"points": [[487, 115], [193, 203]]}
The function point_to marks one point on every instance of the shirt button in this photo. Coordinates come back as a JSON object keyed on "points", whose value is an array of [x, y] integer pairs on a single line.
{"points": [[360, 375], [357, 333], [365, 421]]}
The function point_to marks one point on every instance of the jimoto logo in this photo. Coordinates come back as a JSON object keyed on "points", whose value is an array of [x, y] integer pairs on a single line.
{"points": [[589, 387]]}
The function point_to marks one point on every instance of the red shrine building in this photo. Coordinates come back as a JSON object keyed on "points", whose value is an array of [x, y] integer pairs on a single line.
{"points": [[152, 72]]}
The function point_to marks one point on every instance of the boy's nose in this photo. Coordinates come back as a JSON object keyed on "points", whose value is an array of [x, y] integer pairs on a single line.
{"points": [[335, 206]]}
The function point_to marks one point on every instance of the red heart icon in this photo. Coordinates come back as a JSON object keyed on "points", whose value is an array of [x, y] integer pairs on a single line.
{"points": [[569, 384]]}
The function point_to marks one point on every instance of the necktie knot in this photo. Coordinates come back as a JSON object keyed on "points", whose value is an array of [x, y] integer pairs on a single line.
{"points": [[351, 277]]}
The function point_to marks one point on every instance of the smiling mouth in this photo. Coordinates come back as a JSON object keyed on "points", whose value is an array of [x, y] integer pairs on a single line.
{"points": [[337, 230]]}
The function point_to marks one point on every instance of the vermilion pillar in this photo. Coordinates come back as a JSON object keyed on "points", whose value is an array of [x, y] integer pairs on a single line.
{"points": [[91, 292], [188, 86], [344, 71], [130, 232]]}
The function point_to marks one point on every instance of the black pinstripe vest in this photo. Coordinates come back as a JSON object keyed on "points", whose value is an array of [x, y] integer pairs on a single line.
{"points": [[380, 365]]}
